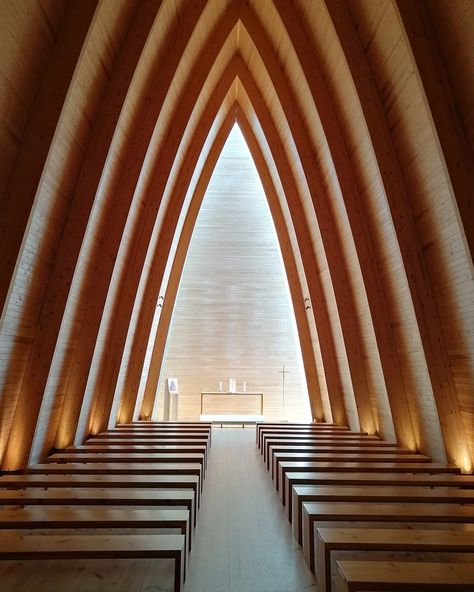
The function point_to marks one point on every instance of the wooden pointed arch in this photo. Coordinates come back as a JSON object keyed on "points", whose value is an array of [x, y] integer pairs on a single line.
{"points": [[361, 130]]}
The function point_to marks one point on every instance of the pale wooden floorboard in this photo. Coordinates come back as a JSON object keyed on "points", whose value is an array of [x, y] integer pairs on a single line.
{"points": [[243, 541]]}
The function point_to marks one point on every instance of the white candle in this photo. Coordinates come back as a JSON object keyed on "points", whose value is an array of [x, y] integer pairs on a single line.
{"points": [[220, 386], [245, 386]]}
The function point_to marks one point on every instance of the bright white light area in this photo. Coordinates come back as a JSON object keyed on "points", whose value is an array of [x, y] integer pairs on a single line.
{"points": [[233, 316]]}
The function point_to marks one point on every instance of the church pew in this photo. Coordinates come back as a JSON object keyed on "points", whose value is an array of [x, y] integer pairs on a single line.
{"points": [[104, 481], [421, 479], [335, 442], [163, 435], [101, 497], [355, 576], [369, 493], [360, 467], [158, 424], [59, 517], [313, 432], [382, 539], [357, 456], [117, 457], [204, 428], [130, 468], [306, 435], [137, 449], [159, 434], [347, 449], [157, 546], [158, 441], [262, 425], [317, 512]]}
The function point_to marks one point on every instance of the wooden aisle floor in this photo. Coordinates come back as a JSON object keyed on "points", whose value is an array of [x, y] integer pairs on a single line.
{"points": [[243, 540]]}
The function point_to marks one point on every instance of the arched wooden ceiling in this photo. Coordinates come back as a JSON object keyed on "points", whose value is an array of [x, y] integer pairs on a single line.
{"points": [[360, 117]]}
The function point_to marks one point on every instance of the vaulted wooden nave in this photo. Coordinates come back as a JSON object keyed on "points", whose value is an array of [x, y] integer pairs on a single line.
{"points": [[133, 248]]}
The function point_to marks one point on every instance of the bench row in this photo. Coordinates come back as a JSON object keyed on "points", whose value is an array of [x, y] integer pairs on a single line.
{"points": [[408, 504], [98, 491]]}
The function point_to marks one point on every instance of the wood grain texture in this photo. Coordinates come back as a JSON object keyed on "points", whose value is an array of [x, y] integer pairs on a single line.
{"points": [[359, 118]]}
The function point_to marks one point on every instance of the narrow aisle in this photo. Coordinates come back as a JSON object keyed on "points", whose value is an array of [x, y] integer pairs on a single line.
{"points": [[243, 541]]}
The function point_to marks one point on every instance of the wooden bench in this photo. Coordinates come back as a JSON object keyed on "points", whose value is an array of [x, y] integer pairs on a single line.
{"points": [[336, 441], [420, 479], [35, 517], [134, 449], [262, 426], [333, 442], [347, 449], [317, 512], [360, 467], [18, 546], [313, 433], [164, 428], [102, 481], [309, 432], [354, 576], [101, 497], [158, 441], [363, 493], [384, 539], [118, 469], [333, 437], [164, 435], [162, 424], [368, 457], [117, 457]]}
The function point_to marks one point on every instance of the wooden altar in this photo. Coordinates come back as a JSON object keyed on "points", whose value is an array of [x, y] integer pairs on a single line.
{"points": [[218, 403]]}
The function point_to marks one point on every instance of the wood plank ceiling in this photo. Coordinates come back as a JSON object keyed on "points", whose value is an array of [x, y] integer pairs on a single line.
{"points": [[359, 115]]}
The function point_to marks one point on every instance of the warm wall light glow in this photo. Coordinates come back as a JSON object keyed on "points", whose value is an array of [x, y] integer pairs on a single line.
{"points": [[466, 465]]}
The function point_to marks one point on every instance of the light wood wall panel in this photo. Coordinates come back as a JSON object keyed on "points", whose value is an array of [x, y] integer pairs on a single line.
{"points": [[87, 196], [429, 190], [155, 206], [50, 210], [380, 228], [114, 225]]}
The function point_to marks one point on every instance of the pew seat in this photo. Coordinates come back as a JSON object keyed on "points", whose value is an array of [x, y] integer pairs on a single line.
{"points": [[360, 467], [157, 546], [384, 539], [355, 576], [130, 468], [102, 497], [102, 481], [60, 517], [363, 493], [313, 513], [402, 479]]}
